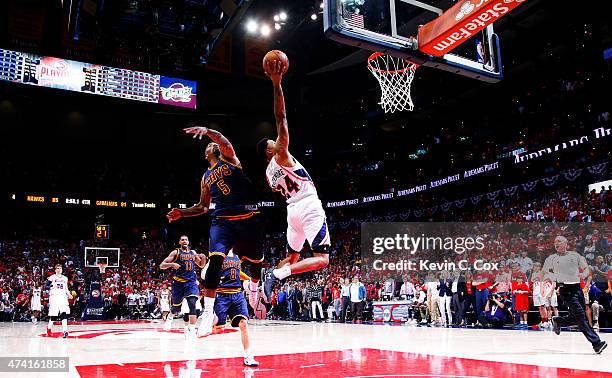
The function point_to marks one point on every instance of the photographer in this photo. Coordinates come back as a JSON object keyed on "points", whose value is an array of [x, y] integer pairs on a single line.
{"points": [[496, 312]]}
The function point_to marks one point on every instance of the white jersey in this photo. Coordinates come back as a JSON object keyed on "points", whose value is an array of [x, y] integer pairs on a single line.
{"points": [[35, 304], [164, 299], [58, 298], [59, 285], [164, 296], [36, 294], [293, 183]]}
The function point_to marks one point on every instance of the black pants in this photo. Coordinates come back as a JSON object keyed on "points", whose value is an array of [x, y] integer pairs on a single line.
{"points": [[345, 304], [573, 297], [459, 314], [357, 310]]}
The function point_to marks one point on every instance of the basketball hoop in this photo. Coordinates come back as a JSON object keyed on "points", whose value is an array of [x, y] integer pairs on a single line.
{"points": [[102, 266], [395, 77]]}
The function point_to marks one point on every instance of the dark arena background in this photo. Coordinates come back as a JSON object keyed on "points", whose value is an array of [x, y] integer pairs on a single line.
{"points": [[94, 99]]}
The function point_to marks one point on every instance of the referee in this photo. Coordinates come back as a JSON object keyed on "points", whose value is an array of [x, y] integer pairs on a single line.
{"points": [[566, 266]]}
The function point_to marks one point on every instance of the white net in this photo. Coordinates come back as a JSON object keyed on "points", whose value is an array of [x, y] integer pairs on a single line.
{"points": [[395, 77]]}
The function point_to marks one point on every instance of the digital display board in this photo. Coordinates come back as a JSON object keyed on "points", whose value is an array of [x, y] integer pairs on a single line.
{"points": [[102, 231], [50, 72]]}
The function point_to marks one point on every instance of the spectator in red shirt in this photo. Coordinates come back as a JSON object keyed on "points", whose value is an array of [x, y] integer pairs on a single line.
{"points": [[336, 300]]}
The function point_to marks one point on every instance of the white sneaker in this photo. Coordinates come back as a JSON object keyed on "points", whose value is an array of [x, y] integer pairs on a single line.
{"points": [[206, 325], [250, 361], [190, 335]]}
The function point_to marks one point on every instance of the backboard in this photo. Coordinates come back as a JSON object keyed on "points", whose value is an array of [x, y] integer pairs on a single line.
{"points": [[396, 27], [96, 255]]}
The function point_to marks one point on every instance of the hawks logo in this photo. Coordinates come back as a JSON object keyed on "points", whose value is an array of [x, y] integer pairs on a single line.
{"points": [[95, 293], [177, 92]]}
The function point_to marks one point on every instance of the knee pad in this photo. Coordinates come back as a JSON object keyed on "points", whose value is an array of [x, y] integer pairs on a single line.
{"points": [[63, 316], [175, 310], [55, 318], [213, 274], [185, 318], [191, 302]]}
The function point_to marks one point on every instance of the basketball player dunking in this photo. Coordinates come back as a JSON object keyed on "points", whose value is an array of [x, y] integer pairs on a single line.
{"points": [[306, 218], [184, 282], [234, 223]]}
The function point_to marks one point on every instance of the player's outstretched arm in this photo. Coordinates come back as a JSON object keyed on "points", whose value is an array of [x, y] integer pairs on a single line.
{"points": [[198, 209], [226, 147], [274, 70], [169, 262]]}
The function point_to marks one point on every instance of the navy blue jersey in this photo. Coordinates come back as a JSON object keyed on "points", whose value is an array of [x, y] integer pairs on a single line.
{"points": [[230, 275], [230, 190], [187, 262]]}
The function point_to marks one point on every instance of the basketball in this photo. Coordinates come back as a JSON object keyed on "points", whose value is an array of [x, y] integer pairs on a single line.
{"points": [[274, 55]]}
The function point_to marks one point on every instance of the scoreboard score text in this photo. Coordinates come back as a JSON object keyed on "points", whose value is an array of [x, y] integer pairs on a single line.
{"points": [[102, 231]]}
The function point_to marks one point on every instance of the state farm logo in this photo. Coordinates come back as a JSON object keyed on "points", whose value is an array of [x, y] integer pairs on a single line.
{"points": [[465, 9], [177, 92], [95, 293]]}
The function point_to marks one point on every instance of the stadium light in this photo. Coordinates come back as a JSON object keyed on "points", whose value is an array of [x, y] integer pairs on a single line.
{"points": [[251, 26], [265, 30], [283, 16], [321, 6], [277, 26], [276, 18], [314, 17]]}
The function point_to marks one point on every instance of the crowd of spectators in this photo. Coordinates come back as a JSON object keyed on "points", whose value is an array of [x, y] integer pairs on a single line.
{"points": [[130, 291]]}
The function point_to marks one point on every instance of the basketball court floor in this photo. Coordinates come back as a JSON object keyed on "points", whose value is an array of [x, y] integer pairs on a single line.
{"points": [[292, 349]]}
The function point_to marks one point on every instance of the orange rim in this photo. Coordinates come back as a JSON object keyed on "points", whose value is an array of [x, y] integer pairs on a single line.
{"points": [[413, 66]]}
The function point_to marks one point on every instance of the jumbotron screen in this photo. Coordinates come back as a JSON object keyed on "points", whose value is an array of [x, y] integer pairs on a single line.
{"points": [[50, 72]]}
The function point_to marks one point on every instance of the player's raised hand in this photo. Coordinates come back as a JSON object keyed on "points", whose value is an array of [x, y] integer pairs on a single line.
{"points": [[274, 70], [174, 215], [197, 131]]}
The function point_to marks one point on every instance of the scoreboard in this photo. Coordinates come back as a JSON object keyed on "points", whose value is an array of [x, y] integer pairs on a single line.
{"points": [[102, 232], [50, 72]]}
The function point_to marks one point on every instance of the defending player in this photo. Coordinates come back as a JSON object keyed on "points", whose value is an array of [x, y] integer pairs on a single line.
{"points": [[163, 300], [234, 220], [35, 304], [184, 282], [231, 303], [306, 218], [58, 300]]}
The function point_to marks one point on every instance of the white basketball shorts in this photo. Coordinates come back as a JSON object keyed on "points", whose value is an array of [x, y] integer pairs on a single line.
{"points": [[306, 221], [58, 304]]}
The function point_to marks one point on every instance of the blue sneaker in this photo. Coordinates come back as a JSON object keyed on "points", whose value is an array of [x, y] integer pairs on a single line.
{"points": [[269, 280]]}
